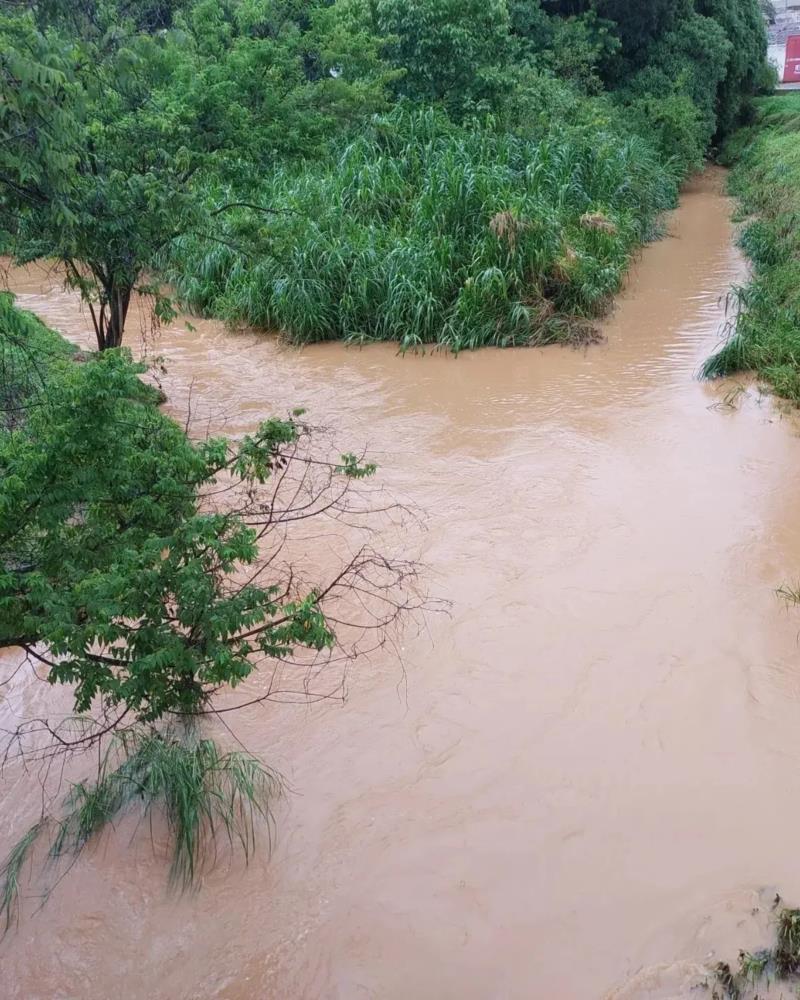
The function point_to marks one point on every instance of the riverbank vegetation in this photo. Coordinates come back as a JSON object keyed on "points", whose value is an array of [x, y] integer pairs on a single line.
{"points": [[509, 215], [765, 335], [27, 350], [436, 171], [424, 232]]}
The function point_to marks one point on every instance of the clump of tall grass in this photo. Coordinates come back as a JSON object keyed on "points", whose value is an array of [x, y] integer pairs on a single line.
{"points": [[763, 967], [765, 334], [203, 793], [422, 232]]}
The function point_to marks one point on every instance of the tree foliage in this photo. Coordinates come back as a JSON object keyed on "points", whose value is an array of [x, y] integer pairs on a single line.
{"points": [[743, 25], [712, 51], [451, 51], [117, 554], [147, 573]]}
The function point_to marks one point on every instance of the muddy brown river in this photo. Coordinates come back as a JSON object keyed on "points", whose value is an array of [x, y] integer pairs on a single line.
{"points": [[585, 781]]}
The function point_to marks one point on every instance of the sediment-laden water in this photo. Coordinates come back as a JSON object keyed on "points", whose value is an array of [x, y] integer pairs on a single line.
{"points": [[583, 782]]}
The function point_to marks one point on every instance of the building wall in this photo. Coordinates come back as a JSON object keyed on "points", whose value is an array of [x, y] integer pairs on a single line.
{"points": [[787, 21]]}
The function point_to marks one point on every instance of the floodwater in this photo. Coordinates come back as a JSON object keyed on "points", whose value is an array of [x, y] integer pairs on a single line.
{"points": [[582, 783]]}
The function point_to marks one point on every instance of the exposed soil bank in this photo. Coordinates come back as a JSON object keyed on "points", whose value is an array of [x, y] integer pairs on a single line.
{"points": [[590, 768]]}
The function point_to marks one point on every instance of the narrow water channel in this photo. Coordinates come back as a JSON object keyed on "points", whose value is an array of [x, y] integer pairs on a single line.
{"points": [[583, 782]]}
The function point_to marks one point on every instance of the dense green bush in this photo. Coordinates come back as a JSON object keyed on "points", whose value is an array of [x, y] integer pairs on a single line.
{"points": [[743, 24], [712, 50], [423, 232], [452, 51], [690, 61]]}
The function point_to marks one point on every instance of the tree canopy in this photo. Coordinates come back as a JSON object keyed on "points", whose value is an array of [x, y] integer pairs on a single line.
{"points": [[146, 564], [148, 573], [109, 129]]}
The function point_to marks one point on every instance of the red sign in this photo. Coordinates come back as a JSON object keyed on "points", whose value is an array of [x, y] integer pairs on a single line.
{"points": [[791, 68]]}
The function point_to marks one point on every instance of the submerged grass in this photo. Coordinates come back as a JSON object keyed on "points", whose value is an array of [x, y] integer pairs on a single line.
{"points": [[765, 334], [757, 970], [423, 232], [787, 952], [204, 794]]}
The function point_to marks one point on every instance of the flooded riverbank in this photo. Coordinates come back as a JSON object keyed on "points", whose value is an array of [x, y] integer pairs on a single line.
{"points": [[574, 786]]}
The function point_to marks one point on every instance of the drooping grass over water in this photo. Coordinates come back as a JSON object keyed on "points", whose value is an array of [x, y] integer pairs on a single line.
{"points": [[756, 973], [11, 871], [766, 179], [204, 794], [423, 232]]}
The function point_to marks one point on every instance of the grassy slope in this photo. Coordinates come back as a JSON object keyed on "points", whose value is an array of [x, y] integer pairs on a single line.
{"points": [[766, 179], [27, 347], [30, 353]]}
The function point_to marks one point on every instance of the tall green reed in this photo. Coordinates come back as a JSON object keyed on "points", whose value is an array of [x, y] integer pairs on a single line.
{"points": [[396, 237]]}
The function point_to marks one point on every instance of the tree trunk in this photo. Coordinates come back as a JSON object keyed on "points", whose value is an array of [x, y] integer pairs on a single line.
{"points": [[118, 313], [109, 323]]}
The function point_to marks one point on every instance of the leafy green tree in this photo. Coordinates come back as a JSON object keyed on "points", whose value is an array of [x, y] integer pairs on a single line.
{"points": [[108, 138], [35, 90], [637, 24], [97, 165], [689, 60], [531, 25], [743, 24], [88, 17], [697, 76], [144, 593], [583, 49], [640, 24], [149, 573], [653, 33], [578, 48], [345, 53], [452, 51]]}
